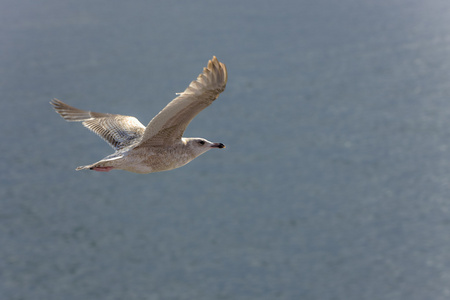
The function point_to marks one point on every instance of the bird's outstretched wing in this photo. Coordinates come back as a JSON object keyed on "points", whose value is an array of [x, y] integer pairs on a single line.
{"points": [[169, 124], [119, 131]]}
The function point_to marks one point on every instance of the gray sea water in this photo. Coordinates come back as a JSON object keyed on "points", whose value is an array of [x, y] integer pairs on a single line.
{"points": [[334, 183]]}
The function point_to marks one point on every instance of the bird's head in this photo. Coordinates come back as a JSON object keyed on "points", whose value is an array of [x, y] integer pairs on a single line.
{"points": [[199, 146]]}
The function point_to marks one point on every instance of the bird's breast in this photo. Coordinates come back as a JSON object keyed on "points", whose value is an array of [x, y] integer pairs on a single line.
{"points": [[158, 159]]}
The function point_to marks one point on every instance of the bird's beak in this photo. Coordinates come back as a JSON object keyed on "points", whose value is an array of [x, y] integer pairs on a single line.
{"points": [[218, 145]]}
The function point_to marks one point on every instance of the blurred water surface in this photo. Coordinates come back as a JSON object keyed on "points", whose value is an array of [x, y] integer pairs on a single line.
{"points": [[334, 183]]}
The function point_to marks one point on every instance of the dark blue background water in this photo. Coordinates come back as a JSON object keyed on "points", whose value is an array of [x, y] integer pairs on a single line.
{"points": [[334, 183]]}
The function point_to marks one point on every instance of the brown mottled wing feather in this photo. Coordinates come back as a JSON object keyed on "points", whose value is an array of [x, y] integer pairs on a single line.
{"points": [[119, 131], [169, 124]]}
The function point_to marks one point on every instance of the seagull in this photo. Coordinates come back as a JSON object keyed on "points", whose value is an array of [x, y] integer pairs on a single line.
{"points": [[159, 146]]}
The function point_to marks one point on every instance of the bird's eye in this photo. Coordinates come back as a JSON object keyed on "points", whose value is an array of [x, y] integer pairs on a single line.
{"points": [[201, 142]]}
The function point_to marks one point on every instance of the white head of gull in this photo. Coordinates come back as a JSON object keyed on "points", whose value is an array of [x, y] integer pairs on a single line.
{"points": [[159, 146]]}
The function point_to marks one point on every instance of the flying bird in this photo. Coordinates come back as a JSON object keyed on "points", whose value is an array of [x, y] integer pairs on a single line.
{"points": [[159, 146]]}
